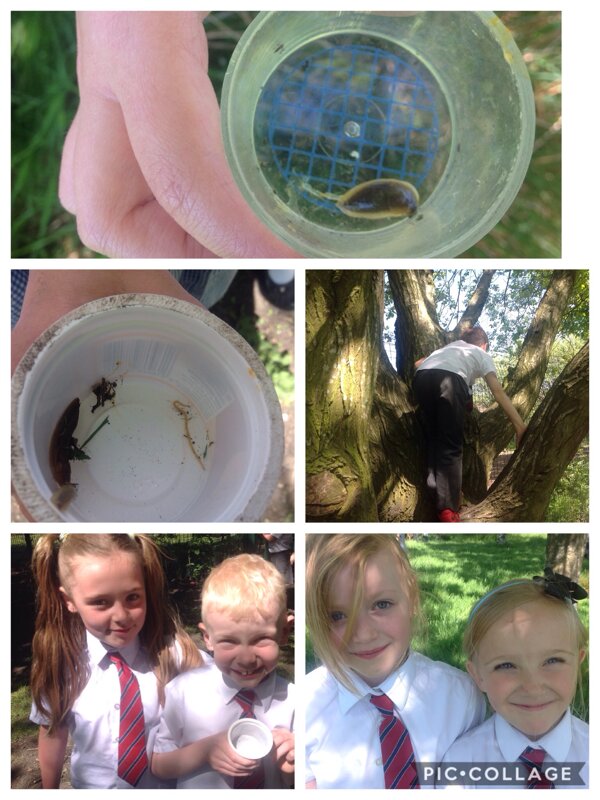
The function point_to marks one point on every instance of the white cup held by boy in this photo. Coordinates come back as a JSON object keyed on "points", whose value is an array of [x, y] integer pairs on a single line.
{"points": [[250, 738]]}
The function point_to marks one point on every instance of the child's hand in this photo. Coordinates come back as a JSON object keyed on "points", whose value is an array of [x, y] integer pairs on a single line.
{"points": [[144, 167], [283, 741], [223, 758]]}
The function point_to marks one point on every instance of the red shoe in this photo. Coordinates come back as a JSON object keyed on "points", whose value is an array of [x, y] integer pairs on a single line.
{"points": [[447, 515]]}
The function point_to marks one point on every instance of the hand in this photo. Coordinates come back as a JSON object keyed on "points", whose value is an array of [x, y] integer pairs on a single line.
{"points": [[143, 167], [52, 293], [283, 742], [519, 434], [223, 758]]}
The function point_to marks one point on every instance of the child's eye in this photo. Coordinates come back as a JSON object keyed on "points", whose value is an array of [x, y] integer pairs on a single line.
{"points": [[555, 660], [336, 616], [227, 644], [381, 605], [266, 642], [504, 665]]}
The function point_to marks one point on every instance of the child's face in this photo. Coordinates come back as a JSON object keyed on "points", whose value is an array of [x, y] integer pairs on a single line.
{"points": [[108, 594], [527, 664], [381, 636], [245, 650]]}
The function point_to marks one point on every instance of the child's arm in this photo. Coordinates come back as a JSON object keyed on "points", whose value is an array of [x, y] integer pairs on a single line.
{"points": [[283, 741], [213, 751], [506, 405], [51, 755]]}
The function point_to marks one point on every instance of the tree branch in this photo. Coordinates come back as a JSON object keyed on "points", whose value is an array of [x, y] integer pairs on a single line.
{"points": [[475, 305], [522, 491], [524, 381], [418, 331]]}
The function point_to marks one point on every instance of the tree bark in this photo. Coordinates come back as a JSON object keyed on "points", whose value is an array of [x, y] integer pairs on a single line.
{"points": [[397, 451], [344, 313], [522, 491], [565, 553]]}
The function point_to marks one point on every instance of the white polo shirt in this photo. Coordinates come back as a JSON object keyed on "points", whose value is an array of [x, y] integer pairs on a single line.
{"points": [[467, 360], [94, 720], [201, 703], [436, 702], [497, 741]]}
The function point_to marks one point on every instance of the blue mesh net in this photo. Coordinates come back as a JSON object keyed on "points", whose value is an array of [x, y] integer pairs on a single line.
{"points": [[348, 114]]}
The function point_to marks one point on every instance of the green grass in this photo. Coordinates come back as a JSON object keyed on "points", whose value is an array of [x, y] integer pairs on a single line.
{"points": [[531, 228], [457, 570], [570, 498], [20, 708]]}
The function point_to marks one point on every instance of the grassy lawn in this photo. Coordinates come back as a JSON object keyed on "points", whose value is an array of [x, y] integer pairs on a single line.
{"points": [[455, 571]]}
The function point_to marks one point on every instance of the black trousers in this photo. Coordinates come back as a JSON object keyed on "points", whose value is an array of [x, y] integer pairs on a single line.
{"points": [[443, 398]]}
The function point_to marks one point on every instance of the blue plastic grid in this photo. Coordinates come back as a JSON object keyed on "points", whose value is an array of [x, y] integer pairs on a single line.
{"points": [[348, 114]]}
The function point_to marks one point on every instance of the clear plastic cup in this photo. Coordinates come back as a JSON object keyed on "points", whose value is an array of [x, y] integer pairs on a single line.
{"points": [[316, 104], [194, 429]]}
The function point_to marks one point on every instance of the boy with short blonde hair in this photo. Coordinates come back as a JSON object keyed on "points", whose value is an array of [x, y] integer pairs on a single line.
{"points": [[244, 622]]}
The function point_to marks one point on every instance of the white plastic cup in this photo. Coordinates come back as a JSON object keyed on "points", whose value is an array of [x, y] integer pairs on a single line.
{"points": [[165, 355], [250, 738]]}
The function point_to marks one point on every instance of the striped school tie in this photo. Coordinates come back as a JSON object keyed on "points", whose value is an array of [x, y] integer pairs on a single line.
{"points": [[533, 758], [256, 780], [132, 741], [399, 768]]}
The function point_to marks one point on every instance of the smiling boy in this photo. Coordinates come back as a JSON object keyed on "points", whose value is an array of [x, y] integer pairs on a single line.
{"points": [[244, 623]]}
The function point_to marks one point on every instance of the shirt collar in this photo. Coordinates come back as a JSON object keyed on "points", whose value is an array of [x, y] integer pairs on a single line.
{"points": [[97, 650], [264, 691], [396, 686], [556, 742]]}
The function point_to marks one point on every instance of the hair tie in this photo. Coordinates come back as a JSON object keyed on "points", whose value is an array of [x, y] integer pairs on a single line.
{"points": [[557, 585]]}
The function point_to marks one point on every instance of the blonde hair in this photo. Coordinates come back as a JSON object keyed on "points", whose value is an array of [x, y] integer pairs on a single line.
{"points": [[326, 555], [243, 586], [60, 669], [507, 597]]}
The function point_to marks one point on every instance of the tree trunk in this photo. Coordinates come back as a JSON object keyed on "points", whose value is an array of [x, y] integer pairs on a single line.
{"points": [[397, 451], [344, 314], [565, 553], [522, 491]]}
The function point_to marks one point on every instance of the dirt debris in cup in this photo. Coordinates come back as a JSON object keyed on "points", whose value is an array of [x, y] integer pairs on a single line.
{"points": [[104, 391]]}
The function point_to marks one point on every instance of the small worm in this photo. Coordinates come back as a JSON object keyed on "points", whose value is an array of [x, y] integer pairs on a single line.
{"points": [[184, 411]]}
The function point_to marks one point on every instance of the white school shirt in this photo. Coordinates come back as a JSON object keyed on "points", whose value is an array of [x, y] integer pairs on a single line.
{"points": [[436, 702], [95, 717], [497, 741], [201, 703], [467, 360]]}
